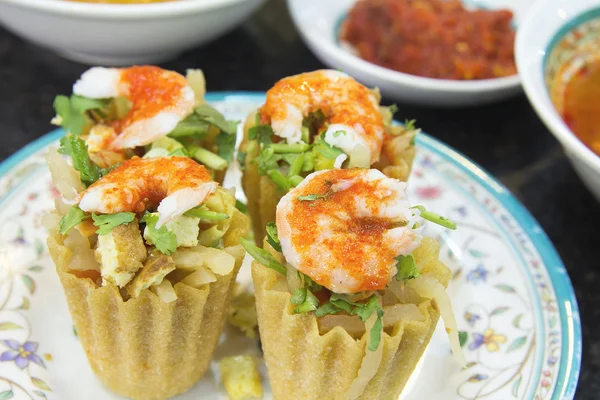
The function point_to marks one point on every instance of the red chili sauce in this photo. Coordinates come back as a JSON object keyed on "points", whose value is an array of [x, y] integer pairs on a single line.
{"points": [[432, 38]]}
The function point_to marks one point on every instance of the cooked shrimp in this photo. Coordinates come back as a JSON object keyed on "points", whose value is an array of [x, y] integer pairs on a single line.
{"points": [[174, 184], [351, 110], [347, 233], [160, 99]]}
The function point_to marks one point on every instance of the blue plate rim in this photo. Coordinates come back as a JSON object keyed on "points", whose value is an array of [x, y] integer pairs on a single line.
{"points": [[569, 311]]}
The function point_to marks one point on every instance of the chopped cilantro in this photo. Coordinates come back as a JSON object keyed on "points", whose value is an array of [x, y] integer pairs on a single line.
{"points": [[326, 309], [72, 218], [376, 330], [299, 296], [407, 268], [226, 144], [263, 256], [409, 125], [327, 150], [106, 223], [72, 111], [305, 300], [164, 240], [266, 161], [76, 148], [261, 133], [214, 117], [272, 236], [339, 133], [393, 108], [241, 158], [309, 283]]}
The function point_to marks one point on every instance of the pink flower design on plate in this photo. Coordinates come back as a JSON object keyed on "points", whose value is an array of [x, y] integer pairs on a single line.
{"points": [[21, 354], [429, 192]]}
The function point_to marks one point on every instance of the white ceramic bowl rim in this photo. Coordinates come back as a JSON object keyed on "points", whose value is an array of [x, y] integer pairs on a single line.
{"points": [[476, 85], [129, 11], [541, 100]]}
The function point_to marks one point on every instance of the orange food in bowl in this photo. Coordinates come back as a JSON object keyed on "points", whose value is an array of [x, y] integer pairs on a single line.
{"points": [[581, 110], [432, 38]]}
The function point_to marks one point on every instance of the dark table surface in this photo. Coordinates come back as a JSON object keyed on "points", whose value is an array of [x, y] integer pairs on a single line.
{"points": [[507, 139]]}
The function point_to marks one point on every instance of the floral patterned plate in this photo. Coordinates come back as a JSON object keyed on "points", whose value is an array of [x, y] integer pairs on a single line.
{"points": [[516, 310]]}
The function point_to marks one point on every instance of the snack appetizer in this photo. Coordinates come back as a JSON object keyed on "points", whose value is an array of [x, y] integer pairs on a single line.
{"points": [[313, 121], [147, 256], [148, 112], [348, 291]]}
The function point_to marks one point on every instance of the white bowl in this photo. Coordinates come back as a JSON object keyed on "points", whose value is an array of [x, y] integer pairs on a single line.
{"points": [[122, 34], [536, 35], [318, 22]]}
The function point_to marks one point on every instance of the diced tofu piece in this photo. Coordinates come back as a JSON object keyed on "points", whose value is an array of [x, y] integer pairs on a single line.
{"points": [[165, 291], [200, 277], [155, 268], [120, 253], [185, 228], [241, 378], [219, 261]]}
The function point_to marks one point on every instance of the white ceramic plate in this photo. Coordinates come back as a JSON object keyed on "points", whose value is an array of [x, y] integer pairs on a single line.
{"points": [[318, 22], [122, 34], [511, 293], [547, 22]]}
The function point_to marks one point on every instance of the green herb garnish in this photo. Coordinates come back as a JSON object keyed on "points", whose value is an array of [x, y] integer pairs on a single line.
{"points": [[339, 133], [272, 237], [241, 158], [263, 256], [107, 222], [376, 330], [312, 197], [214, 117], [305, 300], [226, 144], [261, 133], [409, 125], [327, 150], [435, 218], [72, 112], [77, 149], [164, 240], [72, 218], [407, 268], [206, 215], [210, 159], [241, 207]]}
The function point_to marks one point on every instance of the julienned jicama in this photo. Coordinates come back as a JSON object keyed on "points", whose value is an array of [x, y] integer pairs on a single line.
{"points": [[314, 121], [147, 255], [348, 291], [146, 111]]}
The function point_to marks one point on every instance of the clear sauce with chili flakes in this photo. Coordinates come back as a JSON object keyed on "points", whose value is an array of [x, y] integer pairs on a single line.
{"points": [[581, 108], [432, 38]]}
